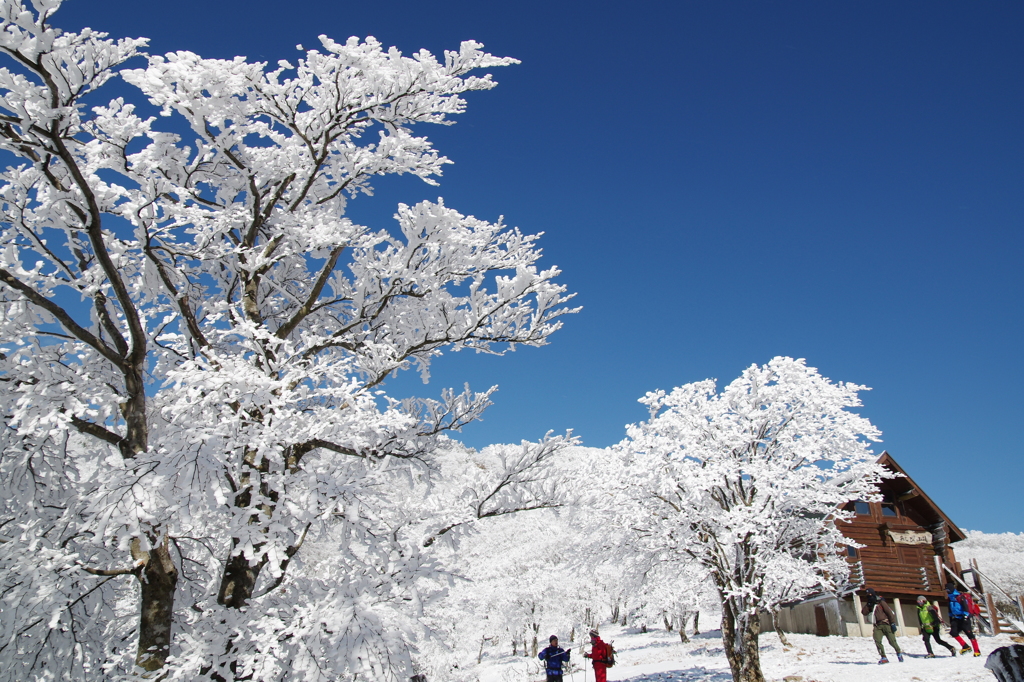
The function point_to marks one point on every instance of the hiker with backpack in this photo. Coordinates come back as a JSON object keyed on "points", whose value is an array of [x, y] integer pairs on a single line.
{"points": [[885, 624], [961, 608], [929, 618], [602, 654], [555, 656]]}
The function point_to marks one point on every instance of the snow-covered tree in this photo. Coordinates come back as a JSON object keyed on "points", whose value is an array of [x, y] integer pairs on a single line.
{"points": [[1000, 558], [55, 609], [464, 493], [523, 577], [666, 591], [189, 310], [749, 483], [517, 584]]}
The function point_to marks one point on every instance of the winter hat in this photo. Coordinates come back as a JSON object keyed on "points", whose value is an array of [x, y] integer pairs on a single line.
{"points": [[950, 587], [553, 638], [593, 633], [921, 599]]}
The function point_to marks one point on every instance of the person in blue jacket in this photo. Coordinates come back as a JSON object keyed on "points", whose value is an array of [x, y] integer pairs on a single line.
{"points": [[555, 657], [960, 619]]}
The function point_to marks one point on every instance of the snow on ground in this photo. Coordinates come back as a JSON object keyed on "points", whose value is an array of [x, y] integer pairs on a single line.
{"points": [[659, 656]]}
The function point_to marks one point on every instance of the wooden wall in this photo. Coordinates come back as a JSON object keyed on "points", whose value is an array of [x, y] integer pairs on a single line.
{"points": [[894, 569]]}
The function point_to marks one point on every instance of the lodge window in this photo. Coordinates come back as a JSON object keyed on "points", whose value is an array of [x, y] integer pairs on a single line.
{"points": [[889, 509], [861, 507], [851, 552]]}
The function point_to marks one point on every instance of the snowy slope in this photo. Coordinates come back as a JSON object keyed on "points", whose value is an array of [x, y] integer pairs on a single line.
{"points": [[659, 656]]}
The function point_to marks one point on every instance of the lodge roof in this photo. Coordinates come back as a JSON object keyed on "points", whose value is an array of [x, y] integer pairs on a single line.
{"points": [[911, 493]]}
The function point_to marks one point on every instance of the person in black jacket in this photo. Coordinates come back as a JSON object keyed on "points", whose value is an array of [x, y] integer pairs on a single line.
{"points": [[885, 623], [555, 657]]}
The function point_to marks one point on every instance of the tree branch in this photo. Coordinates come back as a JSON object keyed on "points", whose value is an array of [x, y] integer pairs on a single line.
{"points": [[81, 333], [314, 294]]}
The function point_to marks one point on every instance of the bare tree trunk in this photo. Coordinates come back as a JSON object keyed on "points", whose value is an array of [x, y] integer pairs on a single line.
{"points": [[778, 628], [535, 630], [158, 577], [136, 438], [740, 631], [158, 580], [238, 582], [237, 585], [683, 617], [696, 617], [480, 656], [667, 621]]}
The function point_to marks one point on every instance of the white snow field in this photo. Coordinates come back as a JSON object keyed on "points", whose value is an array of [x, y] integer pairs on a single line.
{"points": [[659, 656]]}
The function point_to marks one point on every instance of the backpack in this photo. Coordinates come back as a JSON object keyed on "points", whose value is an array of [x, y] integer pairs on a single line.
{"points": [[610, 659], [969, 605]]}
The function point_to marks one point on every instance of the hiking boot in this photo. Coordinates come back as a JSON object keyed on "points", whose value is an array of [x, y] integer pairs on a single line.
{"points": [[952, 650], [882, 660], [899, 656], [965, 650], [930, 656], [977, 653]]}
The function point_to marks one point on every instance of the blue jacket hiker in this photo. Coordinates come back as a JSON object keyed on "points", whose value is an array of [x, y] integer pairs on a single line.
{"points": [[960, 619], [555, 657]]}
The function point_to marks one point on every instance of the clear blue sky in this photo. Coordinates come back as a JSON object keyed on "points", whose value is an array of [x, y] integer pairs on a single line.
{"points": [[724, 182]]}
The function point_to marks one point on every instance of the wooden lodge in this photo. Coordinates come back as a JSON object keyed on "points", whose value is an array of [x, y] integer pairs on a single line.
{"points": [[906, 537], [906, 551]]}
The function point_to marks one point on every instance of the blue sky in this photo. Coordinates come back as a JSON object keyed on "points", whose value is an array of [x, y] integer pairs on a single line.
{"points": [[722, 183]]}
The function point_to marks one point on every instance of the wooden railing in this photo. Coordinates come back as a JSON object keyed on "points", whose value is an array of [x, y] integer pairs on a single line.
{"points": [[991, 623], [993, 609]]}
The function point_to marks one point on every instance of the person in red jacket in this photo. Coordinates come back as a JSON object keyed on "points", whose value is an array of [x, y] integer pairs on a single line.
{"points": [[599, 653]]}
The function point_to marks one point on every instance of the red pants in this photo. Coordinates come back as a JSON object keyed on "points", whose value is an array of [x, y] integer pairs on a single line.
{"points": [[600, 672]]}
